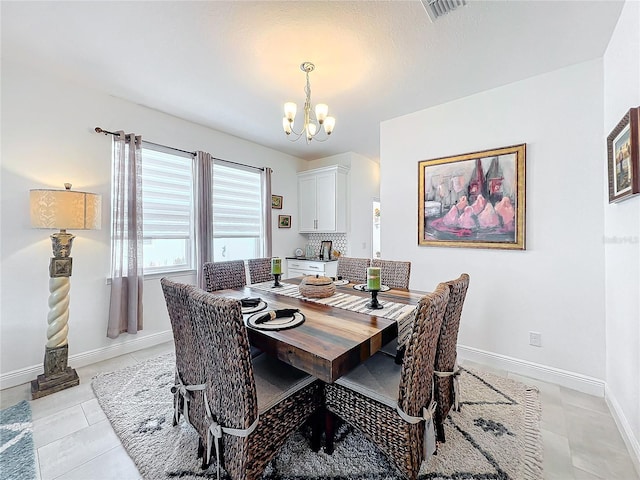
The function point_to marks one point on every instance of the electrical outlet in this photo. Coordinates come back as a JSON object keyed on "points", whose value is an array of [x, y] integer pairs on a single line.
{"points": [[535, 339]]}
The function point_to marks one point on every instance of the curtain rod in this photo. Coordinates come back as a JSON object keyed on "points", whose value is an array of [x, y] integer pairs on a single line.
{"points": [[116, 134]]}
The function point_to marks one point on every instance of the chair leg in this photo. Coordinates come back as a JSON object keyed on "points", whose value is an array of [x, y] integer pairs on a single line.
{"points": [[329, 425], [201, 453], [200, 448], [440, 432], [316, 429]]}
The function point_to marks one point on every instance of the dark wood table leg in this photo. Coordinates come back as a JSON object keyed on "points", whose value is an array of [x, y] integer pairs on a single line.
{"points": [[329, 424]]}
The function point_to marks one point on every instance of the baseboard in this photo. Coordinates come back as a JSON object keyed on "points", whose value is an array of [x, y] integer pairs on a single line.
{"points": [[575, 381], [24, 375], [628, 435]]}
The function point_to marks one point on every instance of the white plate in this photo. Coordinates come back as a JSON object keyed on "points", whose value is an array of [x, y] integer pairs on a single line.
{"points": [[277, 323], [258, 308], [338, 283]]}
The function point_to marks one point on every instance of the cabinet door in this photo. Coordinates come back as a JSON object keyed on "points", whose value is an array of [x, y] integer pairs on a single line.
{"points": [[326, 202], [307, 204]]}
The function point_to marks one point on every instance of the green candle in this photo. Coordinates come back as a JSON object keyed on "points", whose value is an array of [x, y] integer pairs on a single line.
{"points": [[276, 266], [373, 278]]}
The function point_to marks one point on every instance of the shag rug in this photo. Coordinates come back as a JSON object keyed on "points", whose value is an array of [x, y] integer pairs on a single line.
{"points": [[496, 435], [17, 453]]}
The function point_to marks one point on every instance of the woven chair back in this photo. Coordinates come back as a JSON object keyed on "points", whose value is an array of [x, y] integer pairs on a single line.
{"points": [[260, 270], [393, 273], [189, 369], [224, 353], [416, 376], [446, 353], [223, 275], [353, 269]]}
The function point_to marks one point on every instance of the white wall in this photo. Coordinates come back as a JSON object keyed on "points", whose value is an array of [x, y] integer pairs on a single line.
{"points": [[556, 286], [364, 186], [622, 236], [48, 139]]}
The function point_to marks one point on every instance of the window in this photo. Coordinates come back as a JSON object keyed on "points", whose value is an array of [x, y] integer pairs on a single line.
{"points": [[237, 212], [167, 186]]}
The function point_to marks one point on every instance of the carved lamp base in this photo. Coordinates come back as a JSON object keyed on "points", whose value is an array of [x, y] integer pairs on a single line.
{"points": [[57, 375]]}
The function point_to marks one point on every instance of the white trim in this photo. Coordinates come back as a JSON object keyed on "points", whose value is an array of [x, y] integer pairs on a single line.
{"points": [[24, 375], [627, 433], [575, 381]]}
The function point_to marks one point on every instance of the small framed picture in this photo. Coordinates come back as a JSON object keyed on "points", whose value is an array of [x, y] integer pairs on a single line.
{"points": [[325, 249], [284, 221], [276, 201], [623, 157]]}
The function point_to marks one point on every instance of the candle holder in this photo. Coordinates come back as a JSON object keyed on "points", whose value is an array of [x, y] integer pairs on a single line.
{"points": [[276, 280], [374, 304]]}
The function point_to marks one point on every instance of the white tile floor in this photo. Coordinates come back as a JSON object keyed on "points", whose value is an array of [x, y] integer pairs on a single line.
{"points": [[74, 440]]}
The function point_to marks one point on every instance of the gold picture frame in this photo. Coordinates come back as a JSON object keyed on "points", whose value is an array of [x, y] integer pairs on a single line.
{"points": [[276, 202], [474, 200]]}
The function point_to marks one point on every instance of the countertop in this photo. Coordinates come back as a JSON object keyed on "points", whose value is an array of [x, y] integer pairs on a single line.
{"points": [[312, 259]]}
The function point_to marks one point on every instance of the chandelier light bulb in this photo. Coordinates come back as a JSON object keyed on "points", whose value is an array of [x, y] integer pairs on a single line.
{"points": [[311, 129], [290, 109], [329, 123], [321, 112], [286, 125]]}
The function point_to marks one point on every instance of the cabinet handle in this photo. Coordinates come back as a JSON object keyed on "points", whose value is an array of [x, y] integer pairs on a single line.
{"points": [[314, 267], [294, 265]]}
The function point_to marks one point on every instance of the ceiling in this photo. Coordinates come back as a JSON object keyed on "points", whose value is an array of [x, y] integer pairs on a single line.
{"points": [[230, 65]]}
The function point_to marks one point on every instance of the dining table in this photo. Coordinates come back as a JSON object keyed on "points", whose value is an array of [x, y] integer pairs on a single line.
{"points": [[337, 334]]}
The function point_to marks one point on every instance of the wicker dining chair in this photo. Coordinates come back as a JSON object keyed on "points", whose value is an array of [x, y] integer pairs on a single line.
{"points": [[446, 368], [252, 405], [189, 378], [223, 275], [353, 269], [393, 404], [260, 270], [393, 273]]}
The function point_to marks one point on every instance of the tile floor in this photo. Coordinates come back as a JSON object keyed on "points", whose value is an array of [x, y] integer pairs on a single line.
{"points": [[74, 440]]}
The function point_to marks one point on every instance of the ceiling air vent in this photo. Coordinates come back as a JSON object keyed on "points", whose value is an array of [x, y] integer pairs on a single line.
{"points": [[437, 8]]}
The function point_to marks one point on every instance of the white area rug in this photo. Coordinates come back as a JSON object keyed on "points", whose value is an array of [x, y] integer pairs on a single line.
{"points": [[496, 434]]}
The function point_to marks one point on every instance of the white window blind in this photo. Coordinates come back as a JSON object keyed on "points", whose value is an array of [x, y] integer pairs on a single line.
{"points": [[237, 202], [167, 198], [167, 202]]}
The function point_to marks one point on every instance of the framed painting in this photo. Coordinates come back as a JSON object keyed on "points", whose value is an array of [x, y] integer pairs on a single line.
{"points": [[276, 201], [284, 221], [623, 163], [326, 249], [473, 200]]}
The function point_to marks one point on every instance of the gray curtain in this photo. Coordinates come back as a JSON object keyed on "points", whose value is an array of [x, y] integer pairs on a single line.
{"points": [[266, 212], [203, 211], [125, 306]]}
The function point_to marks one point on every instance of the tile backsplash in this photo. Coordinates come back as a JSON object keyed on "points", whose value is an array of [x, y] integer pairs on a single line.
{"points": [[339, 241]]}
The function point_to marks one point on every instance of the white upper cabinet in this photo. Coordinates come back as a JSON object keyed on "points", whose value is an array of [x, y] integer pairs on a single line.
{"points": [[322, 200]]}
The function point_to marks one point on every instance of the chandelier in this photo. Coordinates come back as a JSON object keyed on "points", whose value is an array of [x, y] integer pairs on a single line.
{"points": [[312, 120]]}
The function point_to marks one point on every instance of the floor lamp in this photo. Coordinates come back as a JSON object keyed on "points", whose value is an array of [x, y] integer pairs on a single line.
{"points": [[60, 209]]}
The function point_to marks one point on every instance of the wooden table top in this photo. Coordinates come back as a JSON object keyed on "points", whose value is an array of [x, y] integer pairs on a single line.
{"points": [[332, 341]]}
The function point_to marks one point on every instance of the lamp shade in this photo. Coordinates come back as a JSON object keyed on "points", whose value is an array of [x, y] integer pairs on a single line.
{"points": [[65, 209]]}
